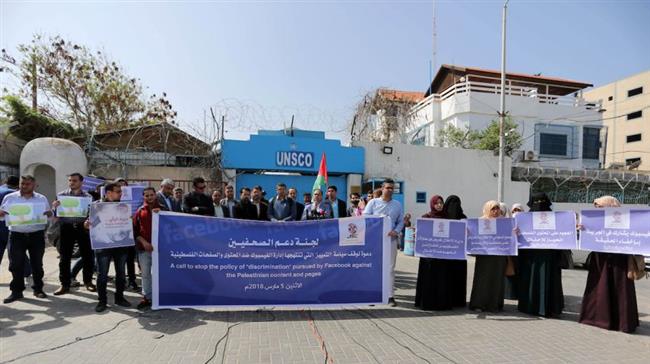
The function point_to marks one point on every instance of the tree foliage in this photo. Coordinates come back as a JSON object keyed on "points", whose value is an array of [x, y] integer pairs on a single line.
{"points": [[29, 124], [84, 88], [453, 137], [486, 139]]}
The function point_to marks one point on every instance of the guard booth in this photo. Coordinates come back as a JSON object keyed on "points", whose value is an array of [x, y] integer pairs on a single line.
{"points": [[293, 158]]}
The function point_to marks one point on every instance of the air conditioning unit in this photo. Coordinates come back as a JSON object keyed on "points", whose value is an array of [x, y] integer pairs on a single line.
{"points": [[530, 155]]}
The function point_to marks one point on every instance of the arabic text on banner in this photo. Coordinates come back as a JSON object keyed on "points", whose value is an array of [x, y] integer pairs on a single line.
{"points": [[205, 261]]}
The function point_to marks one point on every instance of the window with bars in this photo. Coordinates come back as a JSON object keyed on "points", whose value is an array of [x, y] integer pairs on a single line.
{"points": [[553, 144]]}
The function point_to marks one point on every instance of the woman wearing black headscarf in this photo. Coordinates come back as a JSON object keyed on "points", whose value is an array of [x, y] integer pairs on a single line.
{"points": [[540, 274], [457, 268], [431, 290]]}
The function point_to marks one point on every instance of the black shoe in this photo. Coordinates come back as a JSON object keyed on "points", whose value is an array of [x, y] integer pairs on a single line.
{"points": [[40, 294], [391, 302], [101, 307], [122, 302], [144, 304], [61, 291], [134, 287], [13, 297]]}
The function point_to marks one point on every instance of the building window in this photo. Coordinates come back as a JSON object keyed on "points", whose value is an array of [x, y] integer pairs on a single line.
{"points": [[552, 144], [421, 197], [632, 161], [590, 143], [610, 98], [419, 141], [634, 138], [635, 115], [635, 91]]}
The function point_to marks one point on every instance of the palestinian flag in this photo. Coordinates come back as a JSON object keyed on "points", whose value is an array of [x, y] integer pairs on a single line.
{"points": [[321, 179]]}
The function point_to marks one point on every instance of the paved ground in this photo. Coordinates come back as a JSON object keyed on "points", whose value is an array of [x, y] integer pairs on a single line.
{"points": [[66, 329]]}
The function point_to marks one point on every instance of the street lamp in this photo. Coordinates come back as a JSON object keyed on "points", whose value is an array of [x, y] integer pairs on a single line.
{"points": [[502, 112]]}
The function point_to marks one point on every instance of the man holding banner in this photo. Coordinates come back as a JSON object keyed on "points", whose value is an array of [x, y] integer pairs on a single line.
{"points": [[25, 211], [110, 243], [142, 222], [386, 206], [72, 207]]}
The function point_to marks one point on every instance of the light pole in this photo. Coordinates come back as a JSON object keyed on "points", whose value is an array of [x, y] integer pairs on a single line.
{"points": [[502, 112]]}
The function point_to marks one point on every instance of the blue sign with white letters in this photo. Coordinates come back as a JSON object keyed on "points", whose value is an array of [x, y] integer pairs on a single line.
{"points": [[294, 159], [205, 261], [297, 152]]}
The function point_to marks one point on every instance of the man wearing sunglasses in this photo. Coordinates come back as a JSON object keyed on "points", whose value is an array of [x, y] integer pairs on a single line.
{"points": [[197, 202]]}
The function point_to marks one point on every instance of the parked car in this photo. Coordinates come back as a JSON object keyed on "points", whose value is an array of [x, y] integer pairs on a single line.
{"points": [[580, 259]]}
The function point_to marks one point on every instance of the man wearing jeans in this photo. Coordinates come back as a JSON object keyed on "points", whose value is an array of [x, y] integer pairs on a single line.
{"points": [[26, 238], [386, 206], [142, 222], [73, 231], [113, 193]]}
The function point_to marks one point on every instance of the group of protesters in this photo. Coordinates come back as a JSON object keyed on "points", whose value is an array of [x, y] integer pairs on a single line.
{"points": [[533, 277], [26, 244]]}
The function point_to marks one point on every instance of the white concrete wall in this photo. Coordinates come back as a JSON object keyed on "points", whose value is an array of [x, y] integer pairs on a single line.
{"points": [[353, 182], [470, 174]]}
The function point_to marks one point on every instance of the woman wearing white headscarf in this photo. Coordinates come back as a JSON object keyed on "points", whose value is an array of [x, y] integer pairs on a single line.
{"points": [[516, 208]]}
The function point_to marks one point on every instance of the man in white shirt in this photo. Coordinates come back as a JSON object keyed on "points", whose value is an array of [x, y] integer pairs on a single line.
{"points": [[386, 206], [26, 238]]}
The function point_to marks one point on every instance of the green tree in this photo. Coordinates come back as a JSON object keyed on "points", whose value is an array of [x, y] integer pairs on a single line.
{"points": [[489, 138], [29, 124], [453, 137], [84, 88], [486, 139]]}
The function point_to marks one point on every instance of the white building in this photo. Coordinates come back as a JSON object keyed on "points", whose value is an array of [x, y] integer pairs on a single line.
{"points": [[421, 172], [560, 129]]}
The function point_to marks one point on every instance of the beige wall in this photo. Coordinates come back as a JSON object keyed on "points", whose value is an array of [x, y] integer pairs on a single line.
{"points": [[618, 128]]}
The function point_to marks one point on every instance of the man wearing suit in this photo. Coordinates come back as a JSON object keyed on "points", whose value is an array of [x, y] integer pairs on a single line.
{"points": [[165, 196], [261, 207], [293, 193], [245, 209], [197, 202], [230, 202], [339, 208], [219, 209], [282, 207]]}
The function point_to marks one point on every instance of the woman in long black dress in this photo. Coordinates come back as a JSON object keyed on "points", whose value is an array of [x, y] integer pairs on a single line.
{"points": [[609, 301], [489, 271], [431, 290], [457, 268], [540, 274]]}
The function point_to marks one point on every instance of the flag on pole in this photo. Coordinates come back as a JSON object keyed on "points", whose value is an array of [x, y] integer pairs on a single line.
{"points": [[321, 179]]}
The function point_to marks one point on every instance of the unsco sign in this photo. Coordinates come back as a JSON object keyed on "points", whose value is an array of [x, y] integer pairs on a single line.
{"points": [[294, 159]]}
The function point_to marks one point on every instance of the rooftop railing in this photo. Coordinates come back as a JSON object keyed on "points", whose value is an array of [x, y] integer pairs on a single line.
{"points": [[493, 88]]}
